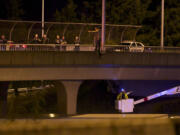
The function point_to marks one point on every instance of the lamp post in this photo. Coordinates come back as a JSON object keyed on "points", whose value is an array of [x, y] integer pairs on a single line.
{"points": [[103, 24], [162, 25], [42, 18]]}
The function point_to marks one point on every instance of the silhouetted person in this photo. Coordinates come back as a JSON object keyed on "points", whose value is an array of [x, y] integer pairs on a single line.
{"points": [[36, 39], [45, 39], [63, 43], [3, 41], [97, 38], [58, 40], [77, 43]]}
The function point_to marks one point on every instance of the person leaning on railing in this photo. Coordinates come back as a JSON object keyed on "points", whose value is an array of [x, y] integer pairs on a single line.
{"points": [[76, 43], [97, 38], [45, 39], [58, 41], [63, 43], [3, 41], [36, 39]]}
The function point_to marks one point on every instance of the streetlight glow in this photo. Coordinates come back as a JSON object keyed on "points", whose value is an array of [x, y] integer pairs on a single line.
{"points": [[51, 115]]}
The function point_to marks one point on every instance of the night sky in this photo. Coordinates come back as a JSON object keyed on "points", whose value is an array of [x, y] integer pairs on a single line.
{"points": [[33, 8]]}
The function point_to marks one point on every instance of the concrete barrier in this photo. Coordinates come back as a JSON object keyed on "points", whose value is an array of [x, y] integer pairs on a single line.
{"points": [[78, 126], [88, 58]]}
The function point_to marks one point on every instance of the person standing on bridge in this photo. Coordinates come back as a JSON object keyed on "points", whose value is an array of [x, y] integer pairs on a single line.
{"points": [[97, 38], [76, 43], [58, 41], [36, 39], [45, 39], [3, 41], [63, 43]]}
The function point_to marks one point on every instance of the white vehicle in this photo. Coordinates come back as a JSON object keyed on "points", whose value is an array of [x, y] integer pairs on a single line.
{"points": [[134, 46]]}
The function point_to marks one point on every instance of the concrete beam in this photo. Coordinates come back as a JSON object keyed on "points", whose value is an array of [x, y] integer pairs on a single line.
{"points": [[89, 73]]}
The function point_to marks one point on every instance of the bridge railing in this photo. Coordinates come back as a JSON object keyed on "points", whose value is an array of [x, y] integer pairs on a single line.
{"points": [[148, 49], [82, 47], [45, 47]]}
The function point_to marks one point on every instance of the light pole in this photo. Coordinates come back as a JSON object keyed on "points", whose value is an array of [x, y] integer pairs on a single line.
{"points": [[42, 18], [162, 24], [103, 24]]}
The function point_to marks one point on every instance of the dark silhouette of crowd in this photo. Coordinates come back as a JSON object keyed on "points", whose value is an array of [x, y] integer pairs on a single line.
{"points": [[59, 42]]}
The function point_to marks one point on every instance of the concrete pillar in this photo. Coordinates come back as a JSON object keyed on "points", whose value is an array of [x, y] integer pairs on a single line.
{"points": [[3, 98], [71, 88], [61, 98]]}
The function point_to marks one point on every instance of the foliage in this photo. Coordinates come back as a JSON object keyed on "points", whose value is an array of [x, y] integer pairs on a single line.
{"points": [[14, 9], [68, 13], [31, 104]]}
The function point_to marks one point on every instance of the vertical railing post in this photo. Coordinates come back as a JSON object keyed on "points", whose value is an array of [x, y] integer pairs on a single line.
{"points": [[162, 25], [103, 24], [42, 18]]}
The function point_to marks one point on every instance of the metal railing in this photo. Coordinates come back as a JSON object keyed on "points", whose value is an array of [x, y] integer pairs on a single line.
{"points": [[45, 47], [82, 47], [147, 49]]}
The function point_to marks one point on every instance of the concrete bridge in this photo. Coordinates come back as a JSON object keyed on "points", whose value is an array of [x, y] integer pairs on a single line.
{"points": [[71, 68]]}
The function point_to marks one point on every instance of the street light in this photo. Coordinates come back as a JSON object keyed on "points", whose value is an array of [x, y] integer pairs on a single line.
{"points": [[162, 24], [103, 24], [42, 18]]}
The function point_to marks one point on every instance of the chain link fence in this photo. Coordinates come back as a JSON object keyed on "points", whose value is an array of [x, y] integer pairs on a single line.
{"points": [[24, 31]]}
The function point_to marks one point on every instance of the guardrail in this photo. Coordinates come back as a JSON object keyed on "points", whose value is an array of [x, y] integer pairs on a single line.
{"points": [[147, 49], [45, 47], [82, 47]]}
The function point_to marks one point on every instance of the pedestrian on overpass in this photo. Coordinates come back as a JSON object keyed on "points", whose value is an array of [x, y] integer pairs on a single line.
{"points": [[45, 39], [63, 43], [76, 43], [97, 38], [58, 41], [3, 41], [36, 39]]}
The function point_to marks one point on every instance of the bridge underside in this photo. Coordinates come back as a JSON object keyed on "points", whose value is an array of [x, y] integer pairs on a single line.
{"points": [[89, 73]]}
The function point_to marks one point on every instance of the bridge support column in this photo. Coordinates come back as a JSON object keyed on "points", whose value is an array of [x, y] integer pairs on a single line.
{"points": [[72, 88], [3, 98]]}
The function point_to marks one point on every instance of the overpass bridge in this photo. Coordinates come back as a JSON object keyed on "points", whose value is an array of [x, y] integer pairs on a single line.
{"points": [[71, 68], [21, 66]]}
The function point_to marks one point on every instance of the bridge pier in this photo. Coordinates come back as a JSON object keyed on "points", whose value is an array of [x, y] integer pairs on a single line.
{"points": [[71, 89], [3, 98]]}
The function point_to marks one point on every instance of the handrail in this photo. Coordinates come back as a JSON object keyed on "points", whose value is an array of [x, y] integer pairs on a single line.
{"points": [[18, 21], [81, 47], [87, 45]]}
